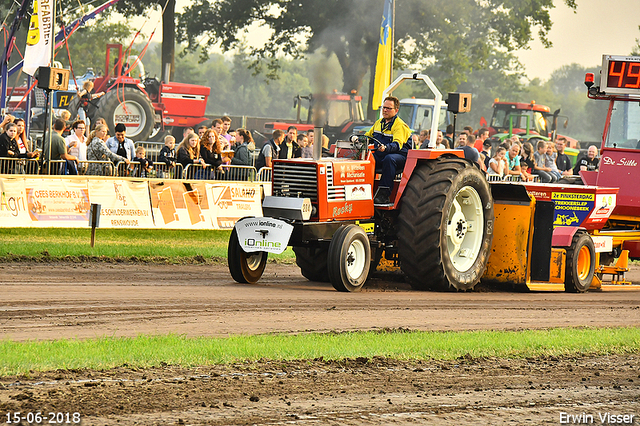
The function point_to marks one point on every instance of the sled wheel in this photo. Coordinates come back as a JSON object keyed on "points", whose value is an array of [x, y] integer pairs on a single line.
{"points": [[246, 268], [445, 225], [581, 263], [349, 258], [313, 262]]}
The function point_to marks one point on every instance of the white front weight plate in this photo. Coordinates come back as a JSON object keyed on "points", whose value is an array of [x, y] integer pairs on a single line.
{"points": [[263, 234]]}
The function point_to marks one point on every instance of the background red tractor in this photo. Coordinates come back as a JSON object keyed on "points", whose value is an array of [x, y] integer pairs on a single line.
{"points": [[145, 105]]}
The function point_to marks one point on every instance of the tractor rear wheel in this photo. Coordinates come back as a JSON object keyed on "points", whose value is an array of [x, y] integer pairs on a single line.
{"points": [[245, 268], [445, 225], [581, 263], [349, 258], [313, 263], [131, 107]]}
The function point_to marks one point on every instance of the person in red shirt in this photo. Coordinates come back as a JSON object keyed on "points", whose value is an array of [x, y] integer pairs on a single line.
{"points": [[483, 134]]}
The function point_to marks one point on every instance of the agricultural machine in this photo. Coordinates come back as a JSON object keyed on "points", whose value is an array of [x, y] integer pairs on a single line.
{"points": [[340, 114], [447, 227], [530, 121], [145, 105]]}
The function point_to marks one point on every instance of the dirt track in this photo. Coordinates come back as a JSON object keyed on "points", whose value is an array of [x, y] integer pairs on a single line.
{"points": [[42, 301]]}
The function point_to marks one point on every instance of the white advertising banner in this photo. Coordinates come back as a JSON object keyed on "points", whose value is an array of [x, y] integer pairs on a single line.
{"points": [[57, 203], [40, 37], [14, 211], [123, 203], [233, 201]]}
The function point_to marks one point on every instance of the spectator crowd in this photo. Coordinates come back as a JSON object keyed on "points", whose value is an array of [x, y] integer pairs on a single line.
{"points": [[208, 152]]}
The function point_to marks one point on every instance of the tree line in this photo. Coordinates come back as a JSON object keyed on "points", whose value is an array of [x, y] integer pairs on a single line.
{"points": [[322, 45]]}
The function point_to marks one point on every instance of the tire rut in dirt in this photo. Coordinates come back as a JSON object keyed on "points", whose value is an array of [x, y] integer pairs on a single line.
{"points": [[427, 203]]}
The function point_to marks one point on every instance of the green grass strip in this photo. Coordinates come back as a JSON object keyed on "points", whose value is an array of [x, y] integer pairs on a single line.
{"points": [[148, 351], [143, 244]]}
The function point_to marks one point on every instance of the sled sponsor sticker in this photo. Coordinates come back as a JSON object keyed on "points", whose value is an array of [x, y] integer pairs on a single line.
{"points": [[263, 234], [571, 208]]}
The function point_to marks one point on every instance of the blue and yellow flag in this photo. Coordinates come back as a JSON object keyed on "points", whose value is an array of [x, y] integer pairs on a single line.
{"points": [[384, 65]]}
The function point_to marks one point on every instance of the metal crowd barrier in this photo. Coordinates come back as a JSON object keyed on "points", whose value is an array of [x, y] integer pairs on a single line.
{"points": [[96, 168], [228, 172], [264, 174], [152, 149], [19, 166], [492, 177]]}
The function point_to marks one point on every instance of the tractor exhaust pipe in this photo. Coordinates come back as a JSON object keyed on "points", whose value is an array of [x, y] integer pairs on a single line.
{"points": [[317, 143]]}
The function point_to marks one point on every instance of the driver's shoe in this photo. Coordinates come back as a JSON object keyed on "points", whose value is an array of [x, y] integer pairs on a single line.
{"points": [[382, 196]]}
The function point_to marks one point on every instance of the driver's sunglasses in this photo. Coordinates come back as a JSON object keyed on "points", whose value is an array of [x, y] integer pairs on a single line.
{"points": [[387, 108]]}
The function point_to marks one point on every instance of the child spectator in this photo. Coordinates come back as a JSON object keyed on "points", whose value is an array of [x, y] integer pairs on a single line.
{"points": [[306, 149], [550, 161], [540, 168], [146, 165], [66, 116], [168, 151], [86, 95]]}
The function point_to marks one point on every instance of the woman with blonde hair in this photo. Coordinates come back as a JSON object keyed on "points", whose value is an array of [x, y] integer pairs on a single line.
{"points": [[189, 151], [97, 150]]}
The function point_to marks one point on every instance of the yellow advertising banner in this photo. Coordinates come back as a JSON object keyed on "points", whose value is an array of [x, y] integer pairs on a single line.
{"points": [[13, 204], [180, 204], [233, 201], [57, 202], [123, 203]]}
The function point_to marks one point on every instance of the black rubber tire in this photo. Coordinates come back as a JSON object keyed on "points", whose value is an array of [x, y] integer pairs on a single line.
{"points": [[313, 262], [112, 99], [158, 135], [343, 253], [581, 263], [245, 268], [427, 202]]}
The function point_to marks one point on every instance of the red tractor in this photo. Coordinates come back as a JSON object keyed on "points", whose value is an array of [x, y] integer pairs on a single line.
{"points": [[145, 105], [447, 227], [339, 114]]}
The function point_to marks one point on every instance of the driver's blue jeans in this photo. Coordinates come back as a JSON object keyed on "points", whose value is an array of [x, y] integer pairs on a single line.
{"points": [[390, 164]]}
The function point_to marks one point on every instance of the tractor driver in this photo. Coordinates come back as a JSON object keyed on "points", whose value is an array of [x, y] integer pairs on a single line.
{"points": [[394, 138]]}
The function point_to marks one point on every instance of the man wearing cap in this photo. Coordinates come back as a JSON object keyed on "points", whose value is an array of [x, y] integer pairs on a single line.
{"points": [[486, 150]]}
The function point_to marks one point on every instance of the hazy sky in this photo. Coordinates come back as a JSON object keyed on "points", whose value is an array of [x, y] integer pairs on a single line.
{"points": [[597, 27]]}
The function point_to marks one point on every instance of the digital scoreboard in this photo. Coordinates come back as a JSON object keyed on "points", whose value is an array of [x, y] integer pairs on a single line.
{"points": [[620, 75]]}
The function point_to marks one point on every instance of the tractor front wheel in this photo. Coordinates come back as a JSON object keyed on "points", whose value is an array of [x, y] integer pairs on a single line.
{"points": [[581, 263], [245, 268], [349, 258]]}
